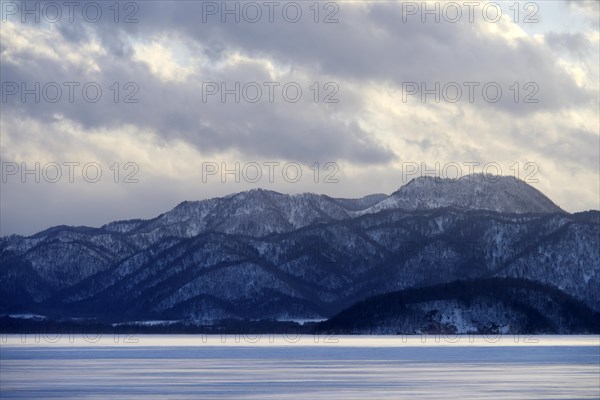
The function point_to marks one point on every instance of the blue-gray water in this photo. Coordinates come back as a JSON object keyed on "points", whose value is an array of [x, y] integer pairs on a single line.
{"points": [[167, 367]]}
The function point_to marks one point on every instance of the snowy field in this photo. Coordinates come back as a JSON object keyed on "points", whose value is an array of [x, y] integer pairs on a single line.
{"points": [[309, 367]]}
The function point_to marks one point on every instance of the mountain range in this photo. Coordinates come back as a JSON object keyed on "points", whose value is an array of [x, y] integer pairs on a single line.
{"points": [[263, 255]]}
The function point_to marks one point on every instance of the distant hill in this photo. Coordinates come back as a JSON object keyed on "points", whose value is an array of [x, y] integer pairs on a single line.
{"points": [[478, 306]]}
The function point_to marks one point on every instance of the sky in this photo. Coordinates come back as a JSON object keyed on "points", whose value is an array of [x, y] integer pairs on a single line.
{"points": [[123, 110]]}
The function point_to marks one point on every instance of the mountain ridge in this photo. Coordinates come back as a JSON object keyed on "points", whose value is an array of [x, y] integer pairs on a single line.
{"points": [[309, 207], [266, 255]]}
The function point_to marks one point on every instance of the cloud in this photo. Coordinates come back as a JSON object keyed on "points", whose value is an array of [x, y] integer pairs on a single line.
{"points": [[165, 61], [161, 61]]}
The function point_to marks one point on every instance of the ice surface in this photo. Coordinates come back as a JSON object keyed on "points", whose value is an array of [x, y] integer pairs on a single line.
{"points": [[284, 367], [27, 316]]}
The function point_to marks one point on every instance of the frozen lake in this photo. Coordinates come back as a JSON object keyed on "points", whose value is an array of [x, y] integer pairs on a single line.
{"points": [[275, 366]]}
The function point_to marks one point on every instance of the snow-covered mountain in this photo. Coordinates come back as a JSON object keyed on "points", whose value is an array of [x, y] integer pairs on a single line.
{"points": [[261, 212], [504, 194], [261, 254], [481, 306], [256, 212]]}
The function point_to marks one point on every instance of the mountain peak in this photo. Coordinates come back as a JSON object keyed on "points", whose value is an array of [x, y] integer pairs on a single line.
{"points": [[505, 194], [472, 178]]}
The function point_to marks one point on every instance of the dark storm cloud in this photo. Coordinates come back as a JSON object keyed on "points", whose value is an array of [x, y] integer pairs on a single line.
{"points": [[368, 43], [373, 43], [176, 109]]}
